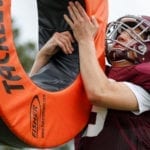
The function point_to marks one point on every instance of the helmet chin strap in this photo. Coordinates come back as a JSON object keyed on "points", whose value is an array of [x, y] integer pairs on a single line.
{"points": [[119, 54]]}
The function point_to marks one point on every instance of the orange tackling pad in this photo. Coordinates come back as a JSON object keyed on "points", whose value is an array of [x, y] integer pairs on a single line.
{"points": [[37, 117]]}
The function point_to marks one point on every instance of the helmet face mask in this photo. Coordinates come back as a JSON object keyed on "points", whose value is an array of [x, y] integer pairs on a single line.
{"points": [[139, 40]]}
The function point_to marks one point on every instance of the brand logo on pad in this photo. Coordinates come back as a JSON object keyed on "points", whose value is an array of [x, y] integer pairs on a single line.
{"points": [[35, 116]]}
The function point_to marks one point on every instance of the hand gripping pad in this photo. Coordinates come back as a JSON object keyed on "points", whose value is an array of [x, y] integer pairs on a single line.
{"points": [[62, 69]]}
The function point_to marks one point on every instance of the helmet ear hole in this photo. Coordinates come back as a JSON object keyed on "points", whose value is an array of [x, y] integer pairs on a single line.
{"points": [[140, 47]]}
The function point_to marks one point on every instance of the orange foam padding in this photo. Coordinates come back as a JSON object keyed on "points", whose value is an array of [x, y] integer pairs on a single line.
{"points": [[38, 117]]}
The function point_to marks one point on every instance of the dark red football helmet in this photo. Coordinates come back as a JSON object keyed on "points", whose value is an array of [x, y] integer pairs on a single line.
{"points": [[140, 43]]}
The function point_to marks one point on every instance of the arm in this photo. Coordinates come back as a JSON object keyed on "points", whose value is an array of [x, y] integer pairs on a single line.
{"points": [[100, 90], [62, 40]]}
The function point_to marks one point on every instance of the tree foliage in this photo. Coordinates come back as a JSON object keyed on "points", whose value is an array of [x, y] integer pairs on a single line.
{"points": [[25, 51]]}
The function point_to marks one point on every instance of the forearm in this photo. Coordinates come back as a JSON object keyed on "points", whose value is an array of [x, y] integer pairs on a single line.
{"points": [[39, 62], [42, 58], [93, 76]]}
